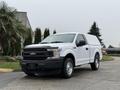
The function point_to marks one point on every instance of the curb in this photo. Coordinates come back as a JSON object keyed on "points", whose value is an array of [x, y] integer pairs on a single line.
{"points": [[6, 70]]}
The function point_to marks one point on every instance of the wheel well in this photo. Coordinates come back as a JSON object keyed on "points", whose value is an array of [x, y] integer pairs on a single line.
{"points": [[97, 53], [71, 56]]}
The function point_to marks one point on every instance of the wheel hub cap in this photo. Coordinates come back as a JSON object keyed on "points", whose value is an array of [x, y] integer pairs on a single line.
{"points": [[97, 63], [69, 68]]}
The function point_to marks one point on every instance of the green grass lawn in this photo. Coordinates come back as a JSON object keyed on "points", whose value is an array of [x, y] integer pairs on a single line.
{"points": [[10, 65], [107, 58], [117, 55]]}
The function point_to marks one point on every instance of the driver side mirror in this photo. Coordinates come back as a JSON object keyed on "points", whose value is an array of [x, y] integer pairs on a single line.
{"points": [[81, 43]]}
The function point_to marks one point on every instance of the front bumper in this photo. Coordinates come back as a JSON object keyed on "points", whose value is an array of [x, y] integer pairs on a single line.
{"points": [[40, 65]]}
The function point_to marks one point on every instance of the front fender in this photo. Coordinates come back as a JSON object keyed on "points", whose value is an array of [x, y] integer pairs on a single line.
{"points": [[69, 51]]}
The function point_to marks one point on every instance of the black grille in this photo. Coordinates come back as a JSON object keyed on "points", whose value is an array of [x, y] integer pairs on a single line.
{"points": [[36, 54], [35, 49]]}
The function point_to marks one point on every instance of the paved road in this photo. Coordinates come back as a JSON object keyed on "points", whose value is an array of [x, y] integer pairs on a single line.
{"points": [[106, 78]]}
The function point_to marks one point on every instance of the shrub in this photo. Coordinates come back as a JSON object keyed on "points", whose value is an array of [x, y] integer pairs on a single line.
{"points": [[8, 59]]}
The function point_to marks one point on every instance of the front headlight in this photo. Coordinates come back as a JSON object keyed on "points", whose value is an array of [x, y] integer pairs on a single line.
{"points": [[56, 53]]}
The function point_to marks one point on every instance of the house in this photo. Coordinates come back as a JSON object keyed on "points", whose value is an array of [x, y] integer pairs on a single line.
{"points": [[23, 18]]}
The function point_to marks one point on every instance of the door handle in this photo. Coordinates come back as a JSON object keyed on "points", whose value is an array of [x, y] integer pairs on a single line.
{"points": [[86, 48]]}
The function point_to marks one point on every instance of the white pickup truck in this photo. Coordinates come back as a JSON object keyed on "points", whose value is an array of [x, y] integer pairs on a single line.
{"points": [[62, 52]]}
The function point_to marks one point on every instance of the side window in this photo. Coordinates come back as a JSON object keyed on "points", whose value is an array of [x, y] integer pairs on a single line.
{"points": [[80, 37]]}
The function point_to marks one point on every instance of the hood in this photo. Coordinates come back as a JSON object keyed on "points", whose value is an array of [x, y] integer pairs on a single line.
{"points": [[59, 45]]}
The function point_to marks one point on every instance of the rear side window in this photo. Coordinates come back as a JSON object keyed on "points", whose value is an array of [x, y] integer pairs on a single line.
{"points": [[80, 37]]}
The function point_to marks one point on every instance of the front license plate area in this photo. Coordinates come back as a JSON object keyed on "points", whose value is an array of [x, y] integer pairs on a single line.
{"points": [[32, 66]]}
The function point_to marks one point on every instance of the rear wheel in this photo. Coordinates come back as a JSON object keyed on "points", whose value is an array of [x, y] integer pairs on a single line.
{"points": [[96, 64], [68, 68]]}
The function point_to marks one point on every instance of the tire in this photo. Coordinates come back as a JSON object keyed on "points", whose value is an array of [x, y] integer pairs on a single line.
{"points": [[68, 68], [30, 74], [96, 64]]}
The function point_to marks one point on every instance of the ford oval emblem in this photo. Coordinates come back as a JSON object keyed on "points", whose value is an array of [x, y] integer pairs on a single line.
{"points": [[32, 53]]}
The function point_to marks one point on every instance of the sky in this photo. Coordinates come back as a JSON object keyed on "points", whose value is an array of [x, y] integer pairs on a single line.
{"points": [[73, 16]]}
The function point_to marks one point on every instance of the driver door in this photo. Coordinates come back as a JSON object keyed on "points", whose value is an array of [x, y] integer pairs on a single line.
{"points": [[82, 51]]}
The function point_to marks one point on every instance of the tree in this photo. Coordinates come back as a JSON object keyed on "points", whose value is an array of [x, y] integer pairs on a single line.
{"points": [[37, 35], [110, 46], [104, 46], [54, 32], [28, 39], [95, 31], [11, 30], [46, 32]]}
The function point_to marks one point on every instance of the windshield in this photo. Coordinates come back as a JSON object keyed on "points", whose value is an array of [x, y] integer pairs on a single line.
{"points": [[61, 38]]}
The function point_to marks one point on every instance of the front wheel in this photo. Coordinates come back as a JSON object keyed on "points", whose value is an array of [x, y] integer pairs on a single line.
{"points": [[68, 68], [96, 64], [29, 74]]}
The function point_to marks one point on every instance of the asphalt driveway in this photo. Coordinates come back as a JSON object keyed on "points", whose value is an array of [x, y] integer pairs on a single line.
{"points": [[106, 78]]}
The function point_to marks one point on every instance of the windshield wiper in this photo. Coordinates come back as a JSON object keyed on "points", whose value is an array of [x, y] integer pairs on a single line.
{"points": [[57, 42]]}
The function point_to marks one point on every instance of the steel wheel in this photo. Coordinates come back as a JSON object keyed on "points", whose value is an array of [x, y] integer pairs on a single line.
{"points": [[68, 68], [95, 65]]}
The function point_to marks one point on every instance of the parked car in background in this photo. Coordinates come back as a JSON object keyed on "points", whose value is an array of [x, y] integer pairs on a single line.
{"points": [[115, 50], [62, 52]]}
